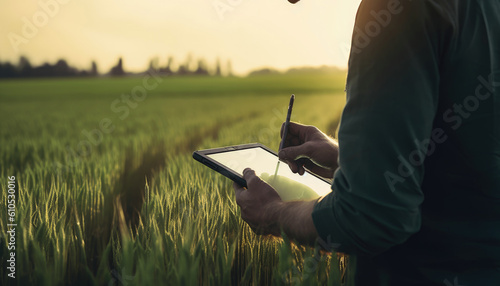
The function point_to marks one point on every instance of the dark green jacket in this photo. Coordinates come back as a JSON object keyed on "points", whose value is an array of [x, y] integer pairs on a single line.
{"points": [[417, 194]]}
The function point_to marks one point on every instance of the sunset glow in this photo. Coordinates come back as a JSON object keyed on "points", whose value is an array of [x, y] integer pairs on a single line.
{"points": [[251, 34]]}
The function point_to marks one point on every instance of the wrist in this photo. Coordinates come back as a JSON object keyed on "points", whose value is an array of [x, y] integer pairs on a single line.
{"points": [[273, 215], [295, 220]]}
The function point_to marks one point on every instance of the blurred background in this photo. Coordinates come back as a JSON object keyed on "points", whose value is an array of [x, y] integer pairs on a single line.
{"points": [[103, 103], [249, 34]]}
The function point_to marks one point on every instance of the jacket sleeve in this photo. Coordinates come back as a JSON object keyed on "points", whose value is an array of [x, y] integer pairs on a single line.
{"points": [[386, 127]]}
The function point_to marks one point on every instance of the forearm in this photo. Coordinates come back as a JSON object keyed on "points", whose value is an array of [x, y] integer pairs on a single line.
{"points": [[295, 219]]}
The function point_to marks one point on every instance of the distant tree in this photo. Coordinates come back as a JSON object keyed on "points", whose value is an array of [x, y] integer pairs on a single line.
{"points": [[93, 69], [218, 69], [154, 65], [24, 67], [170, 64], [45, 70], [202, 67], [190, 66], [8, 70], [186, 67], [168, 68], [264, 71], [61, 68], [182, 70], [118, 69]]}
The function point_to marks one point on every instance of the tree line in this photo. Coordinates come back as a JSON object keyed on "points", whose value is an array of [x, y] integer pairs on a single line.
{"points": [[190, 66]]}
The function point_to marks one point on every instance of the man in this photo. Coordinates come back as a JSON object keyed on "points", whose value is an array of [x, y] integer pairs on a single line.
{"points": [[416, 192]]}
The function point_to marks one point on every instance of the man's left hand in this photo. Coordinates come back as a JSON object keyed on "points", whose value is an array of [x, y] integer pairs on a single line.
{"points": [[265, 212], [260, 204]]}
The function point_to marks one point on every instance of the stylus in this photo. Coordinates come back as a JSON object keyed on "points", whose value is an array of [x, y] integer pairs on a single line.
{"points": [[285, 129]]}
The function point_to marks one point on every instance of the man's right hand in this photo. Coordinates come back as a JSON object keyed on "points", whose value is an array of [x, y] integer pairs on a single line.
{"points": [[306, 147]]}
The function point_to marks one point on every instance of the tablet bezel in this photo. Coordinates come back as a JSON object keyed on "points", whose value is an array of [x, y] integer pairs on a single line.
{"points": [[202, 157]]}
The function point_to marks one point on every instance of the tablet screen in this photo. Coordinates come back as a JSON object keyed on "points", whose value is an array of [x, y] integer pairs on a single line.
{"points": [[289, 186]]}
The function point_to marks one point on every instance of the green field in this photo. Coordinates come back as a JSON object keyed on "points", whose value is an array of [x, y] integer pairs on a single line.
{"points": [[108, 194]]}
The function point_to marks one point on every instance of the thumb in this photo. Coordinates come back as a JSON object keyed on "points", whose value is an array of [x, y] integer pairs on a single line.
{"points": [[250, 176]]}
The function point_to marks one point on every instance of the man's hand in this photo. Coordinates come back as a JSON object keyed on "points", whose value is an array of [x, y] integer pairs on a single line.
{"points": [[259, 204], [306, 147], [265, 212]]}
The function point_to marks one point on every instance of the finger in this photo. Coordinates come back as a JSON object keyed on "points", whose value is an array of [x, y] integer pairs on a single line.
{"points": [[301, 170], [311, 166], [250, 176], [294, 153], [293, 128], [294, 167], [248, 173], [308, 165], [297, 167], [302, 163]]}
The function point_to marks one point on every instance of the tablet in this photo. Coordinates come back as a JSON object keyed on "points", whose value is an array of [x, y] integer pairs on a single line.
{"points": [[231, 161]]}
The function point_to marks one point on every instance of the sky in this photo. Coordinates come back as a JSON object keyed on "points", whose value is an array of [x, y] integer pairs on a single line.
{"points": [[251, 33]]}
